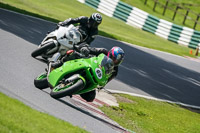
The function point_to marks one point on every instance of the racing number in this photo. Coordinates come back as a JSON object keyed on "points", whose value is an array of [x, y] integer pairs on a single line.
{"points": [[98, 73]]}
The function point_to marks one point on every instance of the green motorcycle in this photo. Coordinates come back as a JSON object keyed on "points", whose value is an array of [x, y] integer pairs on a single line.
{"points": [[79, 76]]}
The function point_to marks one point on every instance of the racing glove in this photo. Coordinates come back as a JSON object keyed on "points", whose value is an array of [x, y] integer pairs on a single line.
{"points": [[85, 51], [60, 24]]}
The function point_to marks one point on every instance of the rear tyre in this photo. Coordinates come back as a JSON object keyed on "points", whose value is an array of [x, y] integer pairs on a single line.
{"points": [[41, 81], [63, 90], [89, 96], [43, 49]]}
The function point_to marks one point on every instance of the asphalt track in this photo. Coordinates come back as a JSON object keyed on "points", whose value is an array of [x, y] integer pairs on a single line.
{"points": [[144, 71]]}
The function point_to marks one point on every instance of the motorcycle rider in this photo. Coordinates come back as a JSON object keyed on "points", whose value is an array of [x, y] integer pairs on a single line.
{"points": [[88, 27], [116, 54]]}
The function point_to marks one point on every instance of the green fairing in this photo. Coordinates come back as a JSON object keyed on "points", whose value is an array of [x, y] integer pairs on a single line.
{"points": [[89, 65]]}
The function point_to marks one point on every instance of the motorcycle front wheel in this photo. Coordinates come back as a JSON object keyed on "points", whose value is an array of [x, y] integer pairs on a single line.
{"points": [[68, 89], [43, 49], [89, 96]]}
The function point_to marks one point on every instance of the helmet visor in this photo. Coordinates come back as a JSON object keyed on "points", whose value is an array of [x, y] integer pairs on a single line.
{"points": [[93, 23], [117, 60]]}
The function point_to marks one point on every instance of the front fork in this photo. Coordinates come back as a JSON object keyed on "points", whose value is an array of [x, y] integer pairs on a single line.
{"points": [[55, 58]]}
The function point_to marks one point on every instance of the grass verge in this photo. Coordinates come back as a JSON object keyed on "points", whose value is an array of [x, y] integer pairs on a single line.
{"points": [[147, 116], [15, 117], [60, 10]]}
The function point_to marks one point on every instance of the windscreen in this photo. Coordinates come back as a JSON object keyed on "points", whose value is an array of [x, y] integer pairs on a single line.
{"points": [[74, 35], [108, 64]]}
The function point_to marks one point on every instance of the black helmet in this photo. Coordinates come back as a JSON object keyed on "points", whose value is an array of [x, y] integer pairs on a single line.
{"points": [[94, 20]]}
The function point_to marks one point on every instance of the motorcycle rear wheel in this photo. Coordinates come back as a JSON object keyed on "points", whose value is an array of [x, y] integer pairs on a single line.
{"points": [[63, 90], [41, 81], [43, 49]]}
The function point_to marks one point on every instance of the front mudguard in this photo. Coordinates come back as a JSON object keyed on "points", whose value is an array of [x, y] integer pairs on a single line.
{"points": [[51, 36]]}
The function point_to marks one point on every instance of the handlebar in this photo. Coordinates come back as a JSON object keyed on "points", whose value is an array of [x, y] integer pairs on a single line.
{"points": [[80, 54], [76, 49]]}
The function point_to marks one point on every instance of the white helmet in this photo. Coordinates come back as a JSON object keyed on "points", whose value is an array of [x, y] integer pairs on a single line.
{"points": [[94, 20]]}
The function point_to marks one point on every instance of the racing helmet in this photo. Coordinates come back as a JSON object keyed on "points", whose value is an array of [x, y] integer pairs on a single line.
{"points": [[117, 55], [94, 20]]}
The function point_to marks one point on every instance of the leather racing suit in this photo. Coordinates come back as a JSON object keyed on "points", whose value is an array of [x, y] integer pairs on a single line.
{"points": [[88, 33]]}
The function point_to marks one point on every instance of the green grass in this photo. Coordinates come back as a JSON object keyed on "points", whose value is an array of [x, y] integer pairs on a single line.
{"points": [[15, 117], [147, 116], [169, 13], [110, 27]]}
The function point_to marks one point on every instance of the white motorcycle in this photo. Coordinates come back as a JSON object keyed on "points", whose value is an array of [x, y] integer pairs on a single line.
{"points": [[60, 40]]}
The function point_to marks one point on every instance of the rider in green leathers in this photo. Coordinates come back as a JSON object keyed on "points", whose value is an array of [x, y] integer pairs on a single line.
{"points": [[116, 54]]}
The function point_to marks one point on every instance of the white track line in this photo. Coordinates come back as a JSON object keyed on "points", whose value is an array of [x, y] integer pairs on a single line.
{"points": [[153, 98]]}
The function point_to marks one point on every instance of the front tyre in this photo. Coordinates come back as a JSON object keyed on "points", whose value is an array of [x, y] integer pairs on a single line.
{"points": [[41, 81], [43, 49], [89, 96], [68, 89]]}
